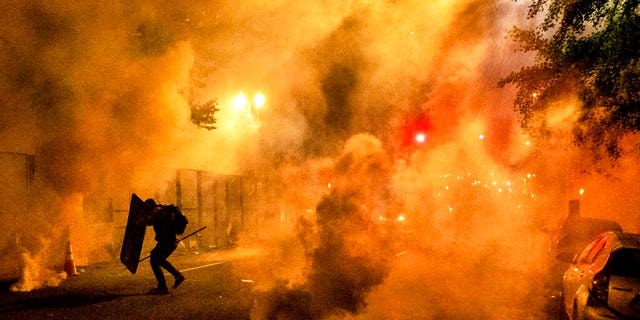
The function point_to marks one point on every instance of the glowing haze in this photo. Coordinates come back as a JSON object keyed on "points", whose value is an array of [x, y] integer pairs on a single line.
{"points": [[99, 94]]}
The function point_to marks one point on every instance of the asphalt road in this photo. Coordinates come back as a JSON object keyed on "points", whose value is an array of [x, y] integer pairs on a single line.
{"points": [[215, 288], [220, 285]]}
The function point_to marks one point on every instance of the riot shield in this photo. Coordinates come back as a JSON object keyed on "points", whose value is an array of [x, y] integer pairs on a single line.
{"points": [[133, 234]]}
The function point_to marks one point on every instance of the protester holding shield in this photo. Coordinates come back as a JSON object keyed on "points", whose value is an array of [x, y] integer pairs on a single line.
{"points": [[166, 226]]}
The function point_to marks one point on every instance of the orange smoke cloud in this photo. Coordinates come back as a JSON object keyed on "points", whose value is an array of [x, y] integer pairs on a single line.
{"points": [[349, 252]]}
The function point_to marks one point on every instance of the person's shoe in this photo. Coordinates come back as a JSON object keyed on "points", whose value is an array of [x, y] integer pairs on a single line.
{"points": [[179, 281], [159, 291]]}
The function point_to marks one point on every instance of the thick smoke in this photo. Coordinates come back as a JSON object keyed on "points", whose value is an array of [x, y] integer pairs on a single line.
{"points": [[91, 92], [480, 198], [347, 242], [98, 95]]}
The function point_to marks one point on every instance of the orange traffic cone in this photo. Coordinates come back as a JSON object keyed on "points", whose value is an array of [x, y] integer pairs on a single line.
{"points": [[69, 264]]}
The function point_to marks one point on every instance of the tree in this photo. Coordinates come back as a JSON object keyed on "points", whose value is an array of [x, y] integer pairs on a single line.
{"points": [[203, 115], [591, 50]]}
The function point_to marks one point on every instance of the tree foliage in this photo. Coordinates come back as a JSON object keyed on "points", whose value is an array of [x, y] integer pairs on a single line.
{"points": [[589, 49], [203, 115]]}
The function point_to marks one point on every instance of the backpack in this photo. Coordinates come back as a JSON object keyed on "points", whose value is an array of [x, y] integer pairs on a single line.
{"points": [[179, 220]]}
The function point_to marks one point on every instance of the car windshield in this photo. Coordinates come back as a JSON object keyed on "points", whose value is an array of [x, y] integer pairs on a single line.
{"points": [[625, 263]]}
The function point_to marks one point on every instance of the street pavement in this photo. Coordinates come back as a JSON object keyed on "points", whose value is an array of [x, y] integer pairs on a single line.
{"points": [[216, 287], [220, 285]]}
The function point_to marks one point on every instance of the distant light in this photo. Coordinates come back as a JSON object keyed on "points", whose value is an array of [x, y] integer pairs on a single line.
{"points": [[527, 143], [421, 138], [401, 218], [581, 191], [259, 99], [481, 136], [240, 101], [329, 185]]}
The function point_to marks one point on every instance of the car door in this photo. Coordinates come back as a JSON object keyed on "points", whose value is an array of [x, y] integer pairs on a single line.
{"points": [[577, 278], [624, 283]]}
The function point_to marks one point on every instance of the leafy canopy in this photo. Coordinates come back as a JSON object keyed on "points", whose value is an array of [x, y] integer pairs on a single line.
{"points": [[203, 115], [589, 49]]}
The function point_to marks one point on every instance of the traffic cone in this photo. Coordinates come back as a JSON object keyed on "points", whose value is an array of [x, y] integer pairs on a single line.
{"points": [[69, 264]]}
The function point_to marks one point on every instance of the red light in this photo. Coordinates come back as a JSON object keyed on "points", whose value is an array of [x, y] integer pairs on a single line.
{"points": [[415, 132]]}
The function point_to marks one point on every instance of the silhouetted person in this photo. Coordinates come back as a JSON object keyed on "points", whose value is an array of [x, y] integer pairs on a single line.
{"points": [[163, 223]]}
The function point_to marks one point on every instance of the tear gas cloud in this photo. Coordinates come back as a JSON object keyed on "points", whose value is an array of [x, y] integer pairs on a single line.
{"points": [[99, 95], [347, 247]]}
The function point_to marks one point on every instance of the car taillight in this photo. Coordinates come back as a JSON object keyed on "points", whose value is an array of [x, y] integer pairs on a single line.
{"points": [[600, 287]]}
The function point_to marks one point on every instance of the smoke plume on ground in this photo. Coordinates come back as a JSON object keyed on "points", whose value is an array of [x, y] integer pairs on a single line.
{"points": [[346, 242]]}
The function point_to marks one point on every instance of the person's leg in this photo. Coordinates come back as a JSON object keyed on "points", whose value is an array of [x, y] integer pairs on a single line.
{"points": [[157, 259], [172, 270]]}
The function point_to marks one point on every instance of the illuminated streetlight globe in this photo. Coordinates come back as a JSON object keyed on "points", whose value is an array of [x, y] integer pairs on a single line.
{"points": [[240, 101], [258, 100]]}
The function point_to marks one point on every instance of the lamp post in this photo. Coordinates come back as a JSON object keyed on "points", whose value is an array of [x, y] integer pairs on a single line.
{"points": [[258, 102], [250, 109]]}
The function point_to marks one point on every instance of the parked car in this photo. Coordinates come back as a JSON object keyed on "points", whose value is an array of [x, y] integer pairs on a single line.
{"points": [[573, 235], [567, 240], [603, 281]]}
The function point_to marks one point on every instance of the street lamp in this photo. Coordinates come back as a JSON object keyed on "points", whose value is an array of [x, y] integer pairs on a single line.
{"points": [[242, 104], [258, 102]]}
